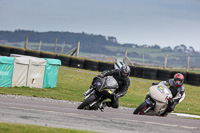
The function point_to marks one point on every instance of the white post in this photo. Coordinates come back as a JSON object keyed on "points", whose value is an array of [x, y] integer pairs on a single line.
{"points": [[26, 42], [77, 49], [165, 66], [63, 47], [143, 60], [125, 56], [40, 45], [188, 63], [55, 45]]}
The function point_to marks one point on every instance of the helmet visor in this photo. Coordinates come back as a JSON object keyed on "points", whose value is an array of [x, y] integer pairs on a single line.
{"points": [[124, 74], [178, 81]]}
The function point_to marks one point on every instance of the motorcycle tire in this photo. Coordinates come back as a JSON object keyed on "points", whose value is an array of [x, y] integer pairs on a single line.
{"points": [[140, 109], [87, 102]]}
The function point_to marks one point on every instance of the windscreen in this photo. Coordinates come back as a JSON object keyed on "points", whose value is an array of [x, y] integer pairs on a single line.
{"points": [[163, 89], [111, 83]]}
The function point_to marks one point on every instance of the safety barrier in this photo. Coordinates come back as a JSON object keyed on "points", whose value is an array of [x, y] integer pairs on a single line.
{"points": [[140, 72]]}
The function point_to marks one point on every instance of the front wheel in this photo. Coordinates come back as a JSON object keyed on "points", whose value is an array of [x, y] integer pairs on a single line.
{"points": [[87, 102], [141, 108]]}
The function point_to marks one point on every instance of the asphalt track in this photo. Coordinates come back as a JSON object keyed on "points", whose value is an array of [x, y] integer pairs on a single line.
{"points": [[64, 114]]}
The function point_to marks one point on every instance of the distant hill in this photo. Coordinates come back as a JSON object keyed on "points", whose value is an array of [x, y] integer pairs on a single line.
{"points": [[50, 36], [97, 41]]}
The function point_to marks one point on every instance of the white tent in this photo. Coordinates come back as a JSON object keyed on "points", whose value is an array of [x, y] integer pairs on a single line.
{"points": [[20, 72], [36, 72]]}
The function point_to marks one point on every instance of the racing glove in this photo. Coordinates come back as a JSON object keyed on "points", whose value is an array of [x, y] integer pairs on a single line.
{"points": [[101, 75], [117, 96], [171, 101]]}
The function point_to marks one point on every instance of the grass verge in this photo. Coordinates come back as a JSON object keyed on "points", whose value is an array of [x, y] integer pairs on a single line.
{"points": [[25, 128]]}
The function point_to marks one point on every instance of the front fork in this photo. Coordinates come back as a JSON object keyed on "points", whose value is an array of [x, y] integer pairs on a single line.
{"points": [[88, 91]]}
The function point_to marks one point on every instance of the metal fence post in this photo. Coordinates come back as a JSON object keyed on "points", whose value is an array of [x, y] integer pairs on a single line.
{"points": [[26, 42]]}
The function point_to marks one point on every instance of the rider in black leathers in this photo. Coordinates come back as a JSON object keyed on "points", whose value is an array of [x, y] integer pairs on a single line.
{"points": [[122, 77], [177, 89]]}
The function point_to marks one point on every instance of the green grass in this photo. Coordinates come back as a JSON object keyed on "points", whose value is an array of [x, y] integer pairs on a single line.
{"points": [[22, 128], [72, 83]]}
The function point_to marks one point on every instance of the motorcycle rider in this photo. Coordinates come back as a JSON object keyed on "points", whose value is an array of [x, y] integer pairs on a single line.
{"points": [[177, 89], [122, 77]]}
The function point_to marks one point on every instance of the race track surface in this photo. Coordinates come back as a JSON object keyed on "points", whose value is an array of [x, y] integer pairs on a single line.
{"points": [[57, 113]]}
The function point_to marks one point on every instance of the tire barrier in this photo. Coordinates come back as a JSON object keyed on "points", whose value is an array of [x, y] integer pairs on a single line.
{"points": [[33, 53], [193, 79], [163, 74], [132, 70], [5, 51], [76, 62], [19, 51], [65, 60], [91, 65], [105, 66], [149, 73], [47, 55], [138, 72]]}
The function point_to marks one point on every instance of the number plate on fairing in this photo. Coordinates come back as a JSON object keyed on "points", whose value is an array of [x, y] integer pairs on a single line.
{"points": [[160, 88]]}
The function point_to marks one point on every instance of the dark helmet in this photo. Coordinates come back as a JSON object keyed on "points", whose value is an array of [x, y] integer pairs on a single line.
{"points": [[124, 71], [178, 79]]}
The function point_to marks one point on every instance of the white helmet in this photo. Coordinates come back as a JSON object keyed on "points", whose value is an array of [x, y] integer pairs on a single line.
{"points": [[124, 71]]}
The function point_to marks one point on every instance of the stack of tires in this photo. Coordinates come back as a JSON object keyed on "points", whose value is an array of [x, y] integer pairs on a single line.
{"points": [[47, 55], [193, 79], [138, 71], [32, 53], [132, 71], [149, 73], [4, 50], [91, 65], [105, 66], [65, 59], [163, 74], [19, 51], [76, 62]]}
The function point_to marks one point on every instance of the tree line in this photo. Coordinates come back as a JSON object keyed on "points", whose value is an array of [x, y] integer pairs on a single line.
{"points": [[91, 43]]}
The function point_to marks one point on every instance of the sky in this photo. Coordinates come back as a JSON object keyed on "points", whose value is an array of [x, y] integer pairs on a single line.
{"points": [[152, 22]]}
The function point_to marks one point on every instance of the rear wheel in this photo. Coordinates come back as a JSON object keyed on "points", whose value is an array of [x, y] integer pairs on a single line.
{"points": [[87, 102], [141, 108]]}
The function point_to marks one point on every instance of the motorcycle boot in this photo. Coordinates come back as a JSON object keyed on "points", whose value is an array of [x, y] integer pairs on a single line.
{"points": [[102, 106]]}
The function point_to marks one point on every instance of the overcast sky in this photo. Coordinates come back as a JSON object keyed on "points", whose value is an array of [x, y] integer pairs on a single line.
{"points": [[161, 22]]}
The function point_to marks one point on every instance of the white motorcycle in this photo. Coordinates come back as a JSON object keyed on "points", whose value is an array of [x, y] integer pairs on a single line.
{"points": [[156, 101]]}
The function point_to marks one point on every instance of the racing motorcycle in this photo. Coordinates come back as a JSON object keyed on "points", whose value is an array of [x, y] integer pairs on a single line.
{"points": [[100, 90], [156, 101]]}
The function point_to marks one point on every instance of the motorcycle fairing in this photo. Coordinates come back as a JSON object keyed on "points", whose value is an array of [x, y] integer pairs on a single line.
{"points": [[159, 92], [106, 84], [149, 102]]}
